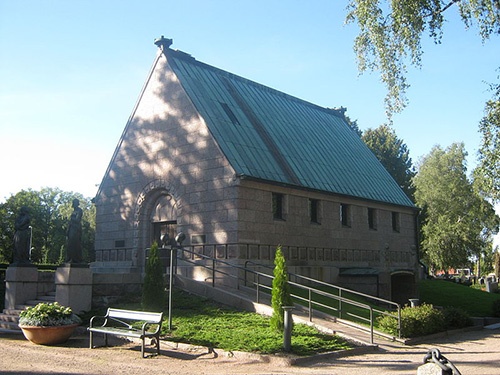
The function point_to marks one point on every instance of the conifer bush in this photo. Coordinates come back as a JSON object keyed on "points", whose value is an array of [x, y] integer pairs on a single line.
{"points": [[153, 289], [280, 292]]}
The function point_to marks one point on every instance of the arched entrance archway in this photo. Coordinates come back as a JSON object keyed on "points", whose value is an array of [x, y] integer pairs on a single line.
{"points": [[403, 286], [163, 219], [157, 211]]}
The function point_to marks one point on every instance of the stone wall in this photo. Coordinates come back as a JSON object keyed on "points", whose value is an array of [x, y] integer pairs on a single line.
{"points": [[328, 240], [111, 288], [324, 248], [166, 148]]}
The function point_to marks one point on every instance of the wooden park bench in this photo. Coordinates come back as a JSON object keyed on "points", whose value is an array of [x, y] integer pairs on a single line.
{"points": [[121, 323]]}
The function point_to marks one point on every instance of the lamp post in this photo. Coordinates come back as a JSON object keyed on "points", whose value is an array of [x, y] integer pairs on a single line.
{"points": [[173, 252], [31, 242]]}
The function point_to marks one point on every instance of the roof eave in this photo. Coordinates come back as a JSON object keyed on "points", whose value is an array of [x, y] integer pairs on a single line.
{"points": [[305, 188]]}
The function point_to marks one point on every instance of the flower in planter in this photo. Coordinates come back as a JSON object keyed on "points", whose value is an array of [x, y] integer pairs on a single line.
{"points": [[48, 315]]}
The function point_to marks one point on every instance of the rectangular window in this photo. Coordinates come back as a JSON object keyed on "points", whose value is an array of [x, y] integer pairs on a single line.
{"points": [[278, 206], [372, 218], [345, 215], [395, 222], [314, 210]]}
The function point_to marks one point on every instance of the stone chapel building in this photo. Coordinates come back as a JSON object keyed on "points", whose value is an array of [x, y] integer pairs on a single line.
{"points": [[239, 168]]}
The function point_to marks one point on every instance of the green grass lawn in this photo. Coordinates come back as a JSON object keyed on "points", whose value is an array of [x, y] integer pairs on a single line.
{"points": [[445, 293], [198, 321]]}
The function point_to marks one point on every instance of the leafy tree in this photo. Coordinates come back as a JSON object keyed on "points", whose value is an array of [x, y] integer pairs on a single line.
{"points": [[391, 33], [390, 39], [153, 289], [49, 210], [497, 263], [353, 124], [457, 222], [393, 154], [488, 172], [8, 213], [280, 292]]}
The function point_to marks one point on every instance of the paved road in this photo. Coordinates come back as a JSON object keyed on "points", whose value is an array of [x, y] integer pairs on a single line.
{"points": [[475, 352]]}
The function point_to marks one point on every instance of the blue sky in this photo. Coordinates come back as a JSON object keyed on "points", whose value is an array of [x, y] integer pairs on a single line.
{"points": [[71, 71]]}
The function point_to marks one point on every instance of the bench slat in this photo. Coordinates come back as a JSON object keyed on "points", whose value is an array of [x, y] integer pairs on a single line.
{"points": [[121, 332], [135, 315]]}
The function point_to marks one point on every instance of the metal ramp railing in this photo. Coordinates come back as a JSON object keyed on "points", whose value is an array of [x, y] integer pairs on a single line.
{"points": [[346, 306]]}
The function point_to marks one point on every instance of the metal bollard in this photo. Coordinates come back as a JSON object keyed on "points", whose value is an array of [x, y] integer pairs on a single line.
{"points": [[414, 302], [287, 331]]}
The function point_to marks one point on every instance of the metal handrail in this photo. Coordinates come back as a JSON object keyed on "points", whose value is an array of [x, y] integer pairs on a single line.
{"points": [[339, 288], [310, 290]]}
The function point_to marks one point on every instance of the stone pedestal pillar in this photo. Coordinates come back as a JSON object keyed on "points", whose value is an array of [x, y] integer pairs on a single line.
{"points": [[74, 287], [20, 285]]}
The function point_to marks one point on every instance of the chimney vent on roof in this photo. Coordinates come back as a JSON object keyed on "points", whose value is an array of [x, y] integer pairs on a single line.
{"points": [[163, 43]]}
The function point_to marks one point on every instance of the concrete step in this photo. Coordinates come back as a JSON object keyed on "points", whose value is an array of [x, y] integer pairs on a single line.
{"points": [[22, 307], [9, 326], [9, 318], [47, 298], [34, 302], [12, 312]]}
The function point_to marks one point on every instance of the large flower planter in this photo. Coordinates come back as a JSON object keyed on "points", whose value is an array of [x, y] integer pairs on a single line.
{"points": [[48, 335]]}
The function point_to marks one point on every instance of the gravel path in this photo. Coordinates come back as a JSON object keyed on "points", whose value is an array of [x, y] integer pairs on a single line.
{"points": [[475, 352]]}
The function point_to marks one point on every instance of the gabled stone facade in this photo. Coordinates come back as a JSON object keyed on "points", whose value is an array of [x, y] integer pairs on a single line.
{"points": [[166, 154], [169, 175]]}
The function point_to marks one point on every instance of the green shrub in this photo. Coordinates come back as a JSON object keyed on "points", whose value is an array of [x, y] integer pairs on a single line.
{"points": [[415, 321], [48, 314], [153, 289], [455, 317], [281, 291]]}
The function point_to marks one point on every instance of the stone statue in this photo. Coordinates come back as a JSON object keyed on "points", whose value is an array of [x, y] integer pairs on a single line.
{"points": [[74, 235], [22, 237]]}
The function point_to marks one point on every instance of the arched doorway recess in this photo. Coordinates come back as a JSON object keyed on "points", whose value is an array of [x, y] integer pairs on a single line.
{"points": [[402, 286]]}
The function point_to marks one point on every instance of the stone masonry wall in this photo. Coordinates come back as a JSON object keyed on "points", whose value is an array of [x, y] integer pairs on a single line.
{"points": [[321, 250], [165, 149]]}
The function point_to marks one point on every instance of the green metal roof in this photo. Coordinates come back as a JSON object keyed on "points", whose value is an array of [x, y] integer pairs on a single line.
{"points": [[269, 135]]}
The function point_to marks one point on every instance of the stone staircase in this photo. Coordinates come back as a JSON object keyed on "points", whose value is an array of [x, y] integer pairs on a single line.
{"points": [[10, 317]]}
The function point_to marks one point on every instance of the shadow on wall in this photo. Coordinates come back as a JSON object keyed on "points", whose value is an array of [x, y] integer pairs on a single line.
{"points": [[165, 148]]}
